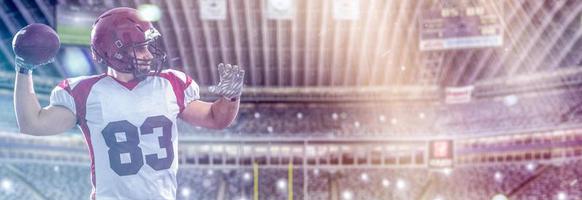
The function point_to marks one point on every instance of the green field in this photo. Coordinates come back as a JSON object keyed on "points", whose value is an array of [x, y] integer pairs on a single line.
{"points": [[74, 35]]}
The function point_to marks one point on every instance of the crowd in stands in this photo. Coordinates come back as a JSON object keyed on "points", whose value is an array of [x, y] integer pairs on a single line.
{"points": [[44, 181], [476, 182], [560, 180], [508, 114], [11, 188], [325, 121]]}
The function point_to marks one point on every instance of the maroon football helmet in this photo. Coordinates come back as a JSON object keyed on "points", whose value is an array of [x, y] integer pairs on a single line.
{"points": [[117, 34]]}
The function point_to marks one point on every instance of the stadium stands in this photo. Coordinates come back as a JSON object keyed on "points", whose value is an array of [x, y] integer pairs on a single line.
{"points": [[12, 188], [510, 114], [59, 181], [516, 181]]}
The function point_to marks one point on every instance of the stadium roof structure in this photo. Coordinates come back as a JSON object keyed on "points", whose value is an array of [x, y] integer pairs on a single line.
{"points": [[313, 49]]}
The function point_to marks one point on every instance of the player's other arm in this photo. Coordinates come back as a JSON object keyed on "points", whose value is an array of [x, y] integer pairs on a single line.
{"points": [[221, 113], [216, 115], [34, 120]]}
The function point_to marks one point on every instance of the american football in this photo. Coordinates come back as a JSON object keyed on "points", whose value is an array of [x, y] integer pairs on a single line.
{"points": [[36, 43]]}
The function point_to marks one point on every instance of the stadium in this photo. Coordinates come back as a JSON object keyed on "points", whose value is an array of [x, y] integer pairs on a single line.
{"points": [[343, 99]]}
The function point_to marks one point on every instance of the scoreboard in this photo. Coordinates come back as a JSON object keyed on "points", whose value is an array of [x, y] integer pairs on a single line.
{"points": [[441, 153], [464, 25]]}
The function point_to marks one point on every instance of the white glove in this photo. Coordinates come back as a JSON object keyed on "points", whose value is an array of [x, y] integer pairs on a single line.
{"points": [[23, 66], [231, 81]]}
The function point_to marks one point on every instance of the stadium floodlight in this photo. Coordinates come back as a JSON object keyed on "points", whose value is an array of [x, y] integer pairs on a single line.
{"points": [[364, 177], [299, 115], [210, 172], [400, 184], [334, 116], [149, 12], [393, 121], [421, 115], [247, 176], [510, 100], [498, 176], [316, 172], [347, 195], [447, 171], [56, 168], [257, 115], [382, 118], [385, 183], [499, 197], [562, 196], [185, 192], [357, 124], [6, 185], [281, 184], [530, 167], [403, 68], [270, 129]]}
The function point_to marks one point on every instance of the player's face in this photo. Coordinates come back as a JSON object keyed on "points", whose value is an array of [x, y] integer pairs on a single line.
{"points": [[144, 57]]}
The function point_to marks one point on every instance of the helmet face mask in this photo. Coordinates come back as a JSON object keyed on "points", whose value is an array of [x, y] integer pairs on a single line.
{"points": [[154, 65], [120, 37]]}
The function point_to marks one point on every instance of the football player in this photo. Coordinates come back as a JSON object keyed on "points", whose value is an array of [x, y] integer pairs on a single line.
{"points": [[128, 115]]}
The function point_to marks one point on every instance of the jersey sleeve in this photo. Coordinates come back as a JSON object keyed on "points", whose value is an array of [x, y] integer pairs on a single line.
{"points": [[61, 96], [189, 87]]}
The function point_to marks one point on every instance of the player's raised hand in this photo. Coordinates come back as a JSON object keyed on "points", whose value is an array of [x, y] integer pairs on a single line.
{"points": [[231, 81]]}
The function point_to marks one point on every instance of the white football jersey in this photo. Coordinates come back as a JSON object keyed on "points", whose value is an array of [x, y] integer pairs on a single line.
{"points": [[130, 130]]}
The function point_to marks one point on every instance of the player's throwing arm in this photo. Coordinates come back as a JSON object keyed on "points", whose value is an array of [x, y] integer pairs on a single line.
{"points": [[36, 45]]}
